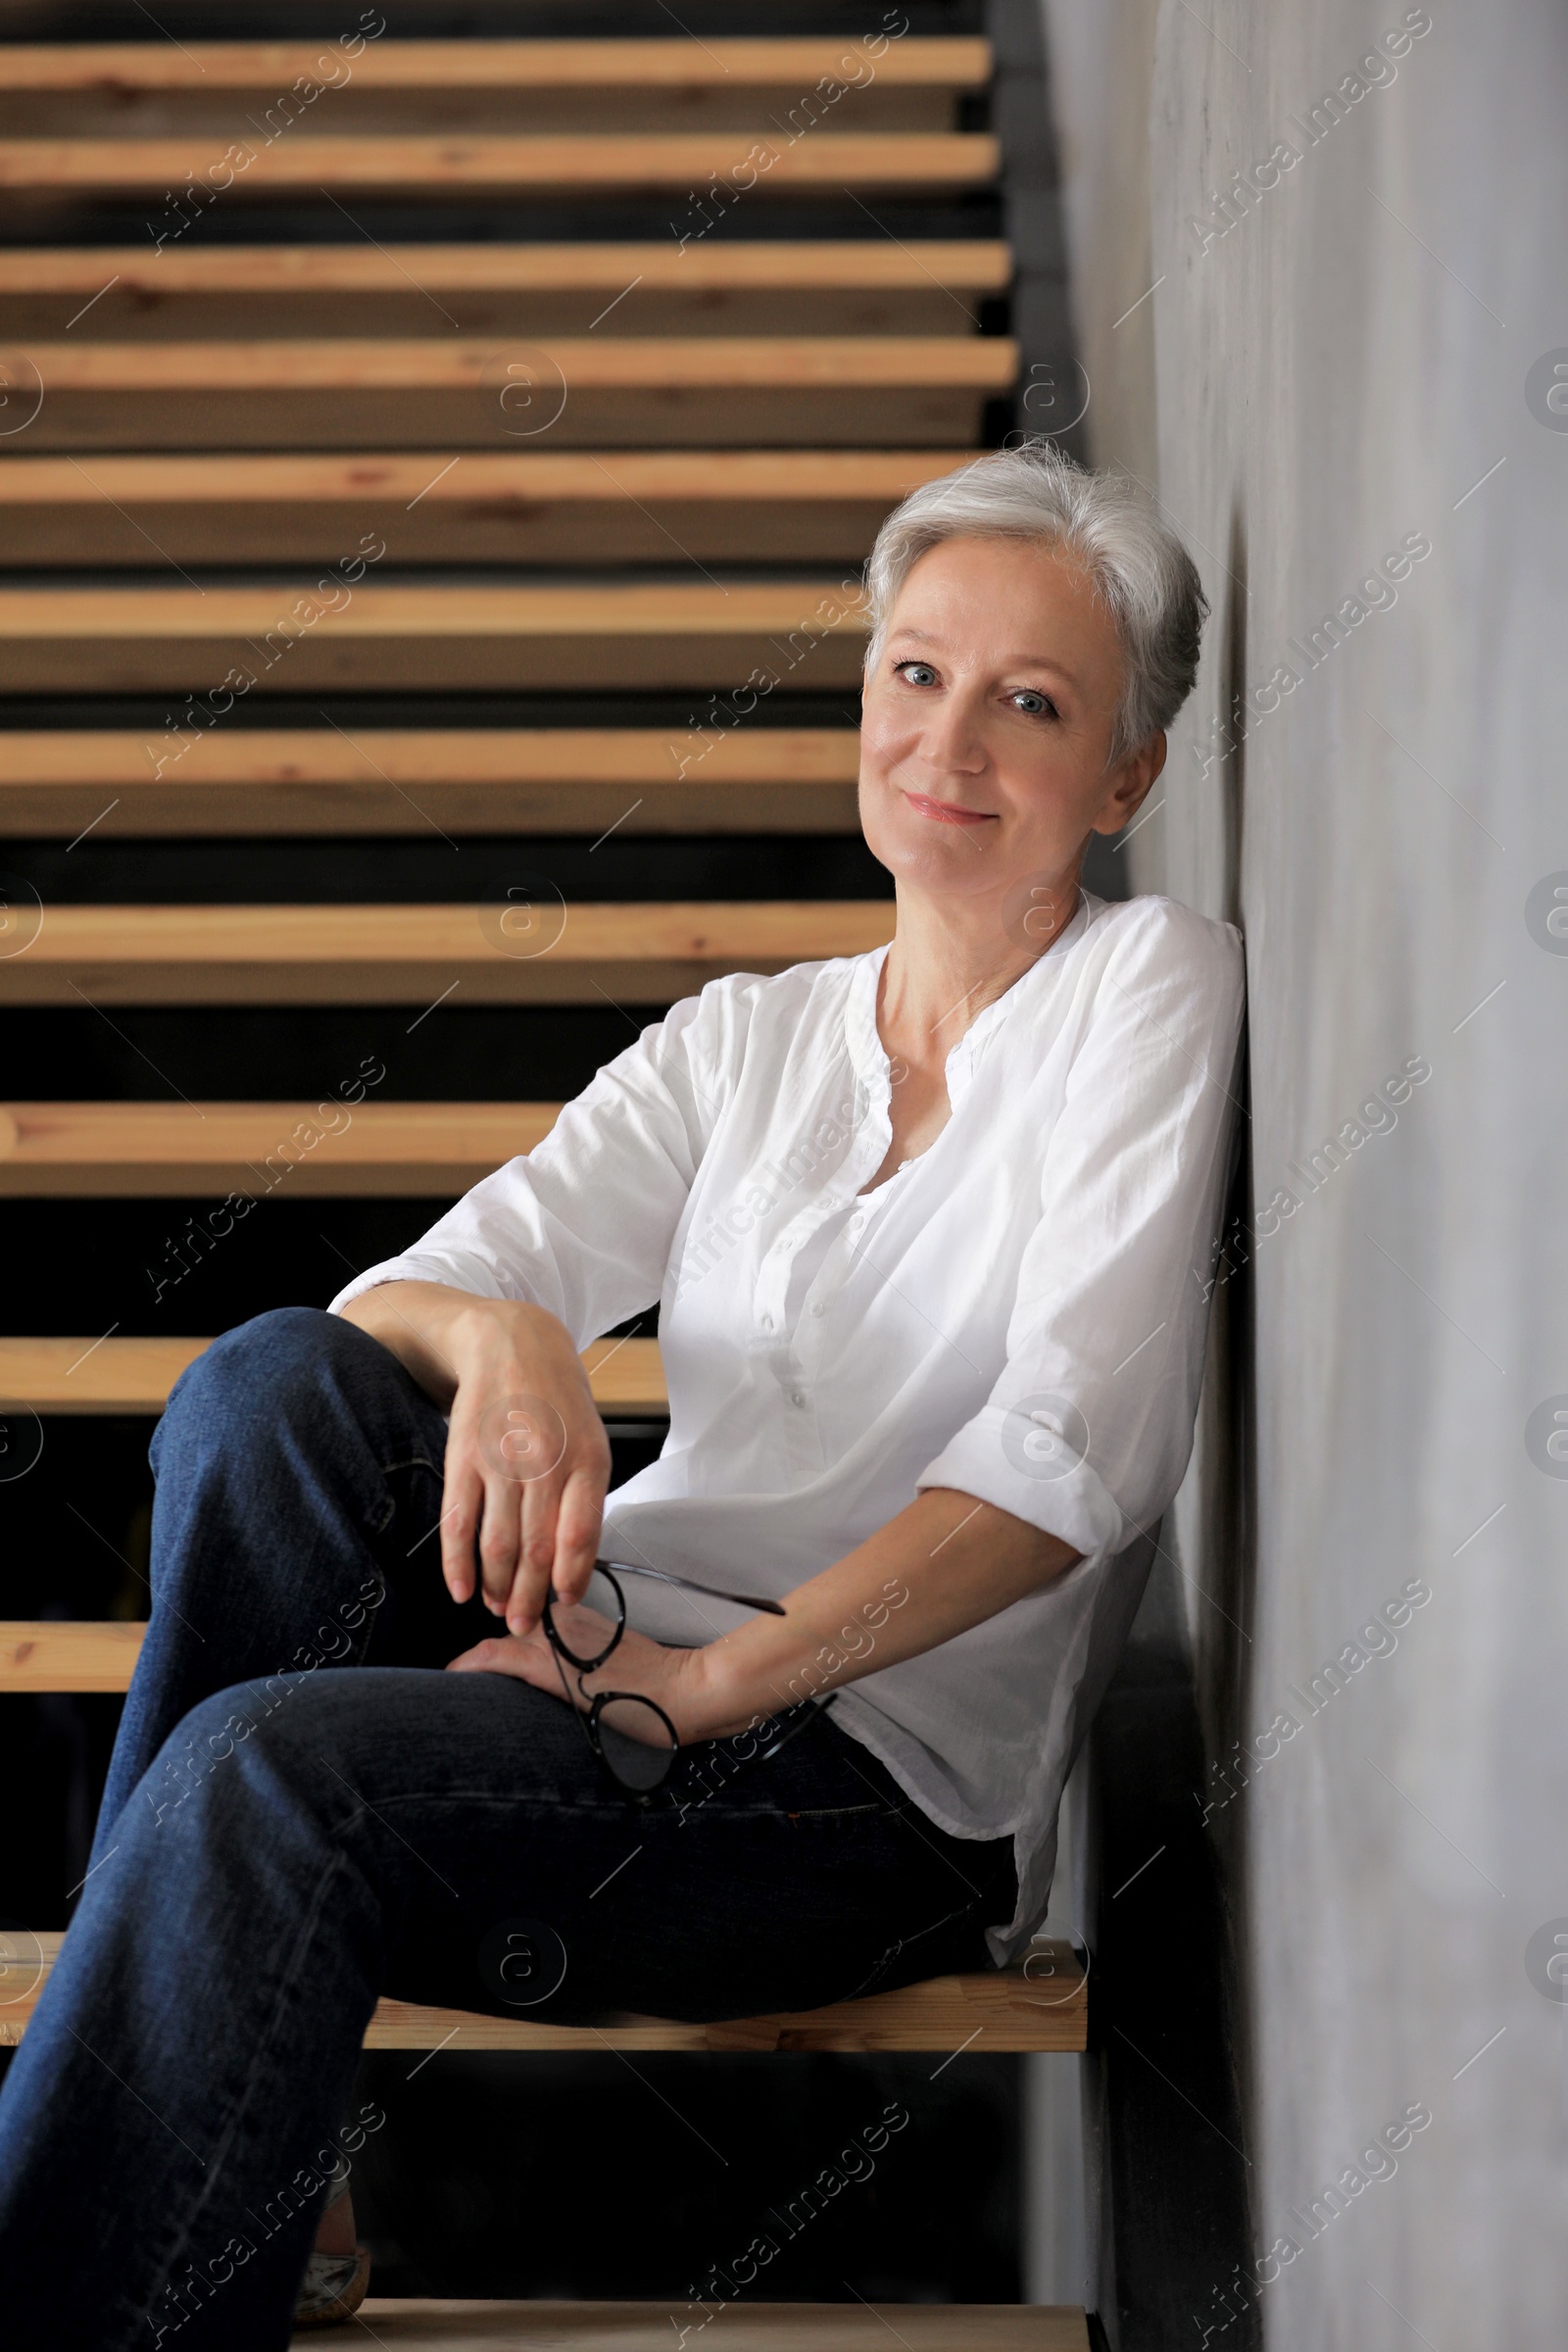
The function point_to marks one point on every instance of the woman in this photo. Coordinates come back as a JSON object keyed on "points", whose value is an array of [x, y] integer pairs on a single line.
{"points": [[928, 1229]]}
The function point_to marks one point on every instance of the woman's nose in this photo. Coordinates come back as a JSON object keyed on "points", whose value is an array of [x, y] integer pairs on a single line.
{"points": [[952, 738]]}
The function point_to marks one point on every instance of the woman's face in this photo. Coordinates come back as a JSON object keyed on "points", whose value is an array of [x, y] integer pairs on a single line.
{"points": [[988, 723]]}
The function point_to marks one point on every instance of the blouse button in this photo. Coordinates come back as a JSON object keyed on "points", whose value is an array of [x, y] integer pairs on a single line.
{"points": [[768, 1322], [797, 1396], [820, 1308]]}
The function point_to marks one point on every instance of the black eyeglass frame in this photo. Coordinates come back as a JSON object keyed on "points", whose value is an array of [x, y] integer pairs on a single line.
{"points": [[805, 1711]]}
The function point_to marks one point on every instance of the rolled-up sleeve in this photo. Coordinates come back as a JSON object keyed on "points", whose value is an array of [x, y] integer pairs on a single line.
{"points": [[583, 1224], [1087, 1433]]}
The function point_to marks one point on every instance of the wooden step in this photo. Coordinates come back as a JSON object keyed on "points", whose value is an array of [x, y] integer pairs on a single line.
{"points": [[587, 391], [119, 68], [449, 2326], [258, 91], [538, 507], [43, 1654], [298, 638], [729, 364], [112, 1375], [377, 1151], [463, 164], [423, 955], [715, 286], [1040, 2004], [480, 65], [717, 775]]}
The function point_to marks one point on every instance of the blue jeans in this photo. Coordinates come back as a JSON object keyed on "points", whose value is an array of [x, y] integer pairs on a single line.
{"points": [[281, 1844]]}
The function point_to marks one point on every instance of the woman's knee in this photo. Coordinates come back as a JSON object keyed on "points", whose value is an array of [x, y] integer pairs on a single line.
{"points": [[262, 1748], [268, 1376], [203, 1742], [276, 1355]]}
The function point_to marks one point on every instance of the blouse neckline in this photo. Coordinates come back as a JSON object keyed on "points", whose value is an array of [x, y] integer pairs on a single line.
{"points": [[868, 1053]]}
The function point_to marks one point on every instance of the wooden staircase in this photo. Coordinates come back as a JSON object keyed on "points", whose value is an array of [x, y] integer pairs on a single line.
{"points": [[563, 471]]}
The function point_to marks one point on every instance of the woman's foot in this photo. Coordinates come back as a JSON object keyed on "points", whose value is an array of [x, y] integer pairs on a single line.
{"points": [[335, 2233]]}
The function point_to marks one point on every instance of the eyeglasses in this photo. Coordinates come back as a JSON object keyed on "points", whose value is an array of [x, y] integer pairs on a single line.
{"points": [[632, 1737]]}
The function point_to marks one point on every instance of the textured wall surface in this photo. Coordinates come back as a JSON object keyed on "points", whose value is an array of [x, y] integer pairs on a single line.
{"points": [[1342, 381]]}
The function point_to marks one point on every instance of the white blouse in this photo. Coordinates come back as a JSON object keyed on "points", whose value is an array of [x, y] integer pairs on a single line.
{"points": [[1018, 1313]]}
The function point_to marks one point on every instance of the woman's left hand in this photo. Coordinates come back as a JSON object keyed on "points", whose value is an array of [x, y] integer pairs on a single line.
{"points": [[671, 1678]]}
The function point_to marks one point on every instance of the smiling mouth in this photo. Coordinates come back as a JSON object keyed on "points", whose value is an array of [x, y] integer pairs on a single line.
{"points": [[946, 812]]}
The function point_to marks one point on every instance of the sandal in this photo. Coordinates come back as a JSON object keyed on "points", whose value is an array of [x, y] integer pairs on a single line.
{"points": [[334, 2285], [333, 2288]]}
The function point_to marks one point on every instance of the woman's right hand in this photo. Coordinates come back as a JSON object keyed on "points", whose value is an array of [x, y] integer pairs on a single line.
{"points": [[527, 1461]]}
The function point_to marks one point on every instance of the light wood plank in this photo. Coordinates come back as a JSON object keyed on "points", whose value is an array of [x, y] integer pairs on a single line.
{"points": [[370, 392], [91, 1376], [331, 99], [723, 363], [708, 287], [712, 286], [538, 508], [695, 478], [1040, 2004], [111, 1375], [999, 2011], [962, 63], [719, 266], [224, 641], [374, 609], [44, 1654], [430, 757], [534, 951], [423, 955], [460, 164], [432, 2327], [716, 777], [129, 1151]]}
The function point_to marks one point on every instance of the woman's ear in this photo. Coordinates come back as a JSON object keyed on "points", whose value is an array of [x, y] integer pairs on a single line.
{"points": [[1129, 783]]}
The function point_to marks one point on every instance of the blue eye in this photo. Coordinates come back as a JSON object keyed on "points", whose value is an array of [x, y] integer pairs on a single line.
{"points": [[905, 669], [1035, 705]]}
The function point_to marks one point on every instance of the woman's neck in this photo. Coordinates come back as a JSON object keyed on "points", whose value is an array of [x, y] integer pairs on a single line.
{"points": [[947, 963]]}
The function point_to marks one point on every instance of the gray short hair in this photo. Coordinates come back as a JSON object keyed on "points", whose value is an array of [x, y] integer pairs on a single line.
{"points": [[1141, 569]]}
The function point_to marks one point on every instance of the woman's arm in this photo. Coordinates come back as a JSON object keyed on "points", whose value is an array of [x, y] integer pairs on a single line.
{"points": [[490, 1307], [943, 1564], [527, 1461]]}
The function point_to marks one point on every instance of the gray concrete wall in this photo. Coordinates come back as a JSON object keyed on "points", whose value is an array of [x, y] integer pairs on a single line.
{"points": [[1334, 376]]}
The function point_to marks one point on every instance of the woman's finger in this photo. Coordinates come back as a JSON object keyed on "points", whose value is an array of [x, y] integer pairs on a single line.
{"points": [[461, 1502], [541, 1499], [499, 1538], [580, 1522]]}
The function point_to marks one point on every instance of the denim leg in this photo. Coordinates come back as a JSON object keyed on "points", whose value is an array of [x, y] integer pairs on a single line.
{"points": [[193, 2053], [299, 1480]]}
